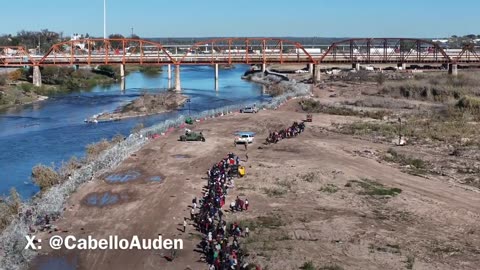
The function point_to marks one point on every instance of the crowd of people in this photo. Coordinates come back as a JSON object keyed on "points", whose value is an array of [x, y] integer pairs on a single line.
{"points": [[220, 244], [289, 132]]}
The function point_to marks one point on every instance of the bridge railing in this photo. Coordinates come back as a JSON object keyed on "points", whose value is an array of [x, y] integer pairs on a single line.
{"points": [[240, 50]]}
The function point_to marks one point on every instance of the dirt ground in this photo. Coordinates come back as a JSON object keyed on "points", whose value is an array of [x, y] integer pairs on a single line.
{"points": [[316, 201]]}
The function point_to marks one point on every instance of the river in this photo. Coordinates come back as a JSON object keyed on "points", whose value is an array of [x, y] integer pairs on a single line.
{"points": [[53, 130]]}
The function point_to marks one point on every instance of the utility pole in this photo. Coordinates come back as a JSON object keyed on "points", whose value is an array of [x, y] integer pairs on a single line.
{"points": [[104, 19]]}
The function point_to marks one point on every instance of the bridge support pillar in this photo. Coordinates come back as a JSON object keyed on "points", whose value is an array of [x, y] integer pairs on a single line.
{"points": [[169, 73], [310, 68], [264, 67], [122, 77], [122, 71], [453, 69], [216, 77], [37, 76], [178, 87], [122, 84], [216, 71], [356, 66], [316, 73]]}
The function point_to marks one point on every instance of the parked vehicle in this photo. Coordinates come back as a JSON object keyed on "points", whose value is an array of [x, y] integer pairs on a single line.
{"points": [[249, 110], [192, 136], [244, 137]]}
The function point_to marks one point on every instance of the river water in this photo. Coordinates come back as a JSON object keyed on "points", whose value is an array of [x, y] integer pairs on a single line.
{"points": [[54, 130]]}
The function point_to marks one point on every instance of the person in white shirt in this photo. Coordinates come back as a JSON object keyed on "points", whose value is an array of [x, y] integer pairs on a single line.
{"points": [[192, 214]]}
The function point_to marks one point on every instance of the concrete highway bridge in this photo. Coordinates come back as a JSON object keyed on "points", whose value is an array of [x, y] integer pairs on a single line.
{"points": [[227, 51]]}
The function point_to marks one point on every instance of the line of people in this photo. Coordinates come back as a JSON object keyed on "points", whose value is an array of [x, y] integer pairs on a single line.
{"points": [[220, 244], [289, 132]]}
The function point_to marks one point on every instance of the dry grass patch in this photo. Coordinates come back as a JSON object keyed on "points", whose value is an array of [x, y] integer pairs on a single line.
{"points": [[9, 208], [45, 177], [373, 188], [314, 106]]}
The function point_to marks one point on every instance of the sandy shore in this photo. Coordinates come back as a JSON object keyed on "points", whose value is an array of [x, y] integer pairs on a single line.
{"points": [[304, 184]]}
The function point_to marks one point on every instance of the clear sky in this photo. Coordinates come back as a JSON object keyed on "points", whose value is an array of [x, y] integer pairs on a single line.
{"points": [[198, 18]]}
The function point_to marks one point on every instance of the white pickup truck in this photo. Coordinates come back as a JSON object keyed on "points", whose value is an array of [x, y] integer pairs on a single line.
{"points": [[249, 110], [244, 137]]}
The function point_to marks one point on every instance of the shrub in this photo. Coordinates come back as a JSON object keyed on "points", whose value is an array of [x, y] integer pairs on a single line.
{"points": [[26, 87], [67, 168], [106, 68], [9, 207], [404, 160], [95, 149], [309, 177], [373, 188], [15, 75], [308, 266], [276, 90], [137, 128], [118, 139], [470, 104], [45, 177], [410, 262], [380, 78], [275, 192], [329, 188], [310, 105], [3, 79]]}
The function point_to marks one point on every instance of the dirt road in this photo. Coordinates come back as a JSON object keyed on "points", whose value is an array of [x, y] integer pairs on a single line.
{"points": [[314, 189]]}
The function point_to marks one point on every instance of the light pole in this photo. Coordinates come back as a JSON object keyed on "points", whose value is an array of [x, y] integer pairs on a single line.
{"points": [[39, 45], [104, 19]]}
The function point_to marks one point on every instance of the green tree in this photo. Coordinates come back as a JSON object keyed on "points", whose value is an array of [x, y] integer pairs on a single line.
{"points": [[116, 44], [407, 45]]}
